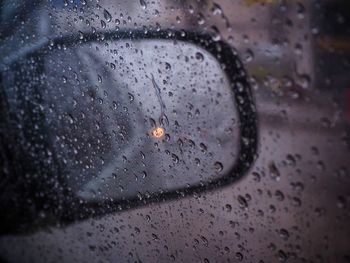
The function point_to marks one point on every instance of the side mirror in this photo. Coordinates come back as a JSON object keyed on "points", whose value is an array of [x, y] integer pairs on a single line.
{"points": [[96, 123]]}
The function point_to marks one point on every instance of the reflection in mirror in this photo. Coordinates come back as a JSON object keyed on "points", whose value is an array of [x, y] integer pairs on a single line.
{"points": [[136, 117]]}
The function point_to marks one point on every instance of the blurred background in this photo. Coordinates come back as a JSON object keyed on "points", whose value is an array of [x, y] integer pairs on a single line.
{"points": [[294, 205]]}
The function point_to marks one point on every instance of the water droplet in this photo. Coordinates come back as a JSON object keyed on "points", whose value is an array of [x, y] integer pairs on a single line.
{"points": [[216, 9], [300, 10], [321, 166], [107, 15], [248, 56], [279, 195], [291, 160], [218, 166], [115, 105], [216, 33], [341, 202], [131, 97], [199, 56], [274, 172], [103, 24], [205, 241], [143, 4], [175, 158], [298, 49], [203, 147], [304, 81], [163, 120], [256, 177], [296, 202], [298, 187], [242, 202], [137, 230], [152, 122], [167, 66], [200, 19], [81, 35], [284, 234], [239, 256], [155, 237], [282, 256]]}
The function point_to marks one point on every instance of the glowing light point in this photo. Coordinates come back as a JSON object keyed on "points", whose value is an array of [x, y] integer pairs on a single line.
{"points": [[158, 132]]}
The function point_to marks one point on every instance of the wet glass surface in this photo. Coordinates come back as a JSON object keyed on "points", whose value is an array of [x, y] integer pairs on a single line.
{"points": [[293, 204]]}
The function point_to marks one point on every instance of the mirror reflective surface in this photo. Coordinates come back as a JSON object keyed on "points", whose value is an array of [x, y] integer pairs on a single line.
{"points": [[133, 117]]}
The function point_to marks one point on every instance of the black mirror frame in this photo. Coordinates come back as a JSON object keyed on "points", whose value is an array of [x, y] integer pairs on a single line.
{"points": [[233, 68]]}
